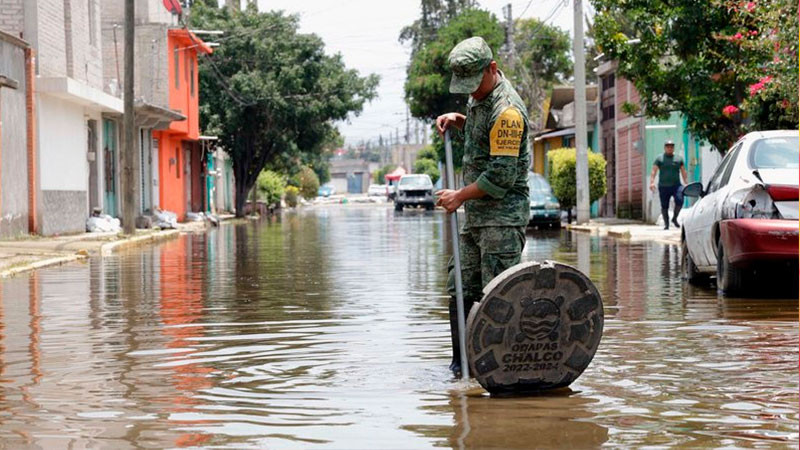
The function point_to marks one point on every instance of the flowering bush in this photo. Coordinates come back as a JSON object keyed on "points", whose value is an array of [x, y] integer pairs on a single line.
{"points": [[729, 110], [705, 58]]}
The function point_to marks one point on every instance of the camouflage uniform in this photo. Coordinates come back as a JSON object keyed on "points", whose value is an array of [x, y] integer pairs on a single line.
{"points": [[496, 157]]}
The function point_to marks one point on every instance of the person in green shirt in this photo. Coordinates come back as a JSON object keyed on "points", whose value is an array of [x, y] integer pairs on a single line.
{"points": [[495, 171], [671, 170]]}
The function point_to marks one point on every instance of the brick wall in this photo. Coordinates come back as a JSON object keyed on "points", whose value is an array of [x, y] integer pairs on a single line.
{"points": [[12, 18], [150, 56], [82, 26], [50, 42], [629, 172]]}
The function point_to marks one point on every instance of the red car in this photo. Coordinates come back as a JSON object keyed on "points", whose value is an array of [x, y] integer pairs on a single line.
{"points": [[745, 223]]}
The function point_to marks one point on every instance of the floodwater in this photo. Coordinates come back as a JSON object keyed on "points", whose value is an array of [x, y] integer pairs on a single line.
{"points": [[327, 329]]}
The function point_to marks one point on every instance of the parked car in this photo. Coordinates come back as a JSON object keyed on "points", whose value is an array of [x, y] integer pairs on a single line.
{"points": [[326, 191], [745, 223], [414, 190], [545, 209], [377, 190]]}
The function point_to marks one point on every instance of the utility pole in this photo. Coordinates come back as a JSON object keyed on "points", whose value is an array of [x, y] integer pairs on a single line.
{"points": [[128, 183], [581, 152], [509, 44], [408, 128]]}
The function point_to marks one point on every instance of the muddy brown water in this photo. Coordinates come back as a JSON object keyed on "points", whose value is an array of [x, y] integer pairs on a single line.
{"points": [[327, 329]]}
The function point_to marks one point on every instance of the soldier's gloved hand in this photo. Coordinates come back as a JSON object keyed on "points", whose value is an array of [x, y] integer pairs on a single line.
{"points": [[449, 199]]}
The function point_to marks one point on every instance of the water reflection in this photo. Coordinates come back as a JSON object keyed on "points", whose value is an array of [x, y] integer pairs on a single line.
{"points": [[327, 328]]}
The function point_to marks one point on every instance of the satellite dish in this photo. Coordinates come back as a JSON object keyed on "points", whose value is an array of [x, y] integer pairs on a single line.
{"points": [[173, 6]]}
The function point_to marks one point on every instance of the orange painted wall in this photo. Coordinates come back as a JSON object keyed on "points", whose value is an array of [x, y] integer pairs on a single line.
{"points": [[183, 89], [182, 52], [172, 191]]}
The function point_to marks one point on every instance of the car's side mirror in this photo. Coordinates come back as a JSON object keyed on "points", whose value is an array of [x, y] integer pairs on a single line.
{"points": [[694, 190]]}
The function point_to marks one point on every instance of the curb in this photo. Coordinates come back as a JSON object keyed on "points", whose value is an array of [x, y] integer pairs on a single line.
{"points": [[106, 249], [57, 261], [111, 247], [583, 228]]}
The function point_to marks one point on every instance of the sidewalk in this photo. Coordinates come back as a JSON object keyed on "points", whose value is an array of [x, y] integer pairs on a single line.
{"points": [[630, 230], [33, 252]]}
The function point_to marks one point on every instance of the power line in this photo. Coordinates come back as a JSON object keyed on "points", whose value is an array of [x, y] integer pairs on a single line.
{"points": [[526, 8]]}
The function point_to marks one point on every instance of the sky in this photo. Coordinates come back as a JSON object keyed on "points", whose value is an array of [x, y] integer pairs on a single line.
{"points": [[366, 32]]}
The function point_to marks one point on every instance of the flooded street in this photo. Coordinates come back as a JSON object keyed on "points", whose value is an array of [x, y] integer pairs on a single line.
{"points": [[327, 328]]}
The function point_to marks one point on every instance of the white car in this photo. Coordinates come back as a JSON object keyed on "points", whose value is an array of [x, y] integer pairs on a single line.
{"points": [[414, 190], [377, 190], [747, 216]]}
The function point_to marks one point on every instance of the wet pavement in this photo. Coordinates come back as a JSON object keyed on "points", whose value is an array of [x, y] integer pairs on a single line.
{"points": [[327, 329]]}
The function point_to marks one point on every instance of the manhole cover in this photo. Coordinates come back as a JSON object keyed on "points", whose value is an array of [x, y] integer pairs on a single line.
{"points": [[537, 328]]}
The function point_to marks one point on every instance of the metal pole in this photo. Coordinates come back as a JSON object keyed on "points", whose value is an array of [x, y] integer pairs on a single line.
{"points": [[462, 327], [128, 183], [581, 152]]}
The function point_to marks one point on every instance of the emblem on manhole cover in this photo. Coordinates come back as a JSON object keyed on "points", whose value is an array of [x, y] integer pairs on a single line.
{"points": [[537, 328]]}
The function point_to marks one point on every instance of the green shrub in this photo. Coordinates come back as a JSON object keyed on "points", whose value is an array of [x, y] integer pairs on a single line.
{"points": [[429, 167], [428, 153], [271, 186], [562, 176], [291, 196], [309, 183]]}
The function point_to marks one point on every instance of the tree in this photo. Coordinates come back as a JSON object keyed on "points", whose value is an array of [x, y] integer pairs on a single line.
{"points": [[434, 14], [728, 66], [428, 167], [427, 86], [271, 186], [271, 94], [428, 152], [562, 177], [426, 163], [542, 59], [308, 183]]}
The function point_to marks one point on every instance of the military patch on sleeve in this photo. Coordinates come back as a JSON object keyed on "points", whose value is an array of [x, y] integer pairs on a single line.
{"points": [[506, 134]]}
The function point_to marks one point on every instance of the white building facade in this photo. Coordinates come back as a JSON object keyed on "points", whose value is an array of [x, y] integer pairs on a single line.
{"points": [[76, 131]]}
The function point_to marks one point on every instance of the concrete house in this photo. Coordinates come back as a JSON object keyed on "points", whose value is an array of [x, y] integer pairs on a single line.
{"points": [[18, 160], [169, 158], [630, 144], [71, 108], [558, 124]]}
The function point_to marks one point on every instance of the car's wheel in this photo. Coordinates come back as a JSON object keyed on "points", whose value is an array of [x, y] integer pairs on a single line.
{"points": [[688, 267], [398, 206], [729, 278], [556, 225]]}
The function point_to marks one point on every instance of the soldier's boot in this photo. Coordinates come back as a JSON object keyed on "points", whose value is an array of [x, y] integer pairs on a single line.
{"points": [[455, 363], [665, 216]]}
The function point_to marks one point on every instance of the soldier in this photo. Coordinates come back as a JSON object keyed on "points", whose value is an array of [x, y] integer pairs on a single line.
{"points": [[495, 171]]}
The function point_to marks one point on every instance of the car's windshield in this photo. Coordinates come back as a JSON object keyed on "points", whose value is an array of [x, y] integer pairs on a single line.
{"points": [[776, 153], [538, 185], [415, 181]]}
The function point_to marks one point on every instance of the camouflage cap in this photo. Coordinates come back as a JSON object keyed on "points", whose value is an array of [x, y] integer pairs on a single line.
{"points": [[467, 61]]}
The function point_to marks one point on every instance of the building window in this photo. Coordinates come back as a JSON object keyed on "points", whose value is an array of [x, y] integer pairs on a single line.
{"points": [[608, 82], [186, 62], [177, 68], [177, 162], [92, 24], [191, 76], [608, 112]]}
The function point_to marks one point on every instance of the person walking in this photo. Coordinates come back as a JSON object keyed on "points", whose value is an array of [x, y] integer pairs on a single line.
{"points": [[495, 172], [670, 168]]}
